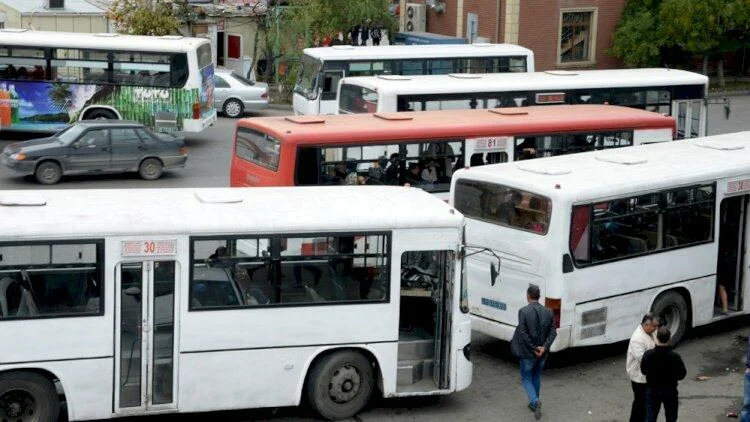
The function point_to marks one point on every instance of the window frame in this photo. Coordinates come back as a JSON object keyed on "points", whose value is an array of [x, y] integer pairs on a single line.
{"points": [[387, 268], [99, 269], [593, 27], [662, 211]]}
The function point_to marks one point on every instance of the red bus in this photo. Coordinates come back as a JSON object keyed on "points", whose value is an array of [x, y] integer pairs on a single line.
{"points": [[425, 148]]}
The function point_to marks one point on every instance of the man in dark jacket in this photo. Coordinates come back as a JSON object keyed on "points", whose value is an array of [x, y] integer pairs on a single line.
{"points": [[662, 368], [532, 339]]}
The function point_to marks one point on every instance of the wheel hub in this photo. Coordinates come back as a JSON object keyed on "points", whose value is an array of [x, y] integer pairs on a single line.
{"points": [[344, 384], [16, 404]]}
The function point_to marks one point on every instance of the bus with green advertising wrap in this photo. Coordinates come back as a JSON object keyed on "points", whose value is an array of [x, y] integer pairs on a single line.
{"points": [[49, 80]]}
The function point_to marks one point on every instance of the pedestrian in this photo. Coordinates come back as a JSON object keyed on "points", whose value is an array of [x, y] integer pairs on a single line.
{"points": [[376, 35], [365, 32], [531, 341], [354, 33], [745, 412], [641, 340], [663, 368]]}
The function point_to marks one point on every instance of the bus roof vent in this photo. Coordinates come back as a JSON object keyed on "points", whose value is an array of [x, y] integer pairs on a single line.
{"points": [[481, 44], [107, 34], [305, 120], [15, 199], [541, 168], [726, 145], [394, 116], [561, 72], [343, 47], [619, 158], [509, 111], [393, 77], [466, 75], [171, 37], [14, 29], [220, 197]]}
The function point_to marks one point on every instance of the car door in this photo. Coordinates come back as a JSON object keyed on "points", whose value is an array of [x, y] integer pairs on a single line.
{"points": [[127, 149], [91, 152], [221, 91]]}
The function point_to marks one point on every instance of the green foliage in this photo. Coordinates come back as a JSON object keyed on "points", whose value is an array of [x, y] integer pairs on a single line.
{"points": [[637, 41], [311, 18], [144, 17]]}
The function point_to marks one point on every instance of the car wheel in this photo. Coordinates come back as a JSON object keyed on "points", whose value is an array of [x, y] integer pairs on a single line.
{"points": [[27, 397], [101, 115], [48, 173], [233, 108], [150, 169], [340, 385]]}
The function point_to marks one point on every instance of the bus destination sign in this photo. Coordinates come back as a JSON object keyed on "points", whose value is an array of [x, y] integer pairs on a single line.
{"points": [[148, 247]]}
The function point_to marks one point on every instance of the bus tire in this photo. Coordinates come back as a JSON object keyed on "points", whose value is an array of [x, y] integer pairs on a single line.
{"points": [[48, 173], [150, 169], [27, 397], [101, 114], [233, 108], [671, 310], [340, 384]]}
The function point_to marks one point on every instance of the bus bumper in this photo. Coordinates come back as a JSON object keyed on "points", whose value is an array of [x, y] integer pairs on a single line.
{"points": [[197, 125]]}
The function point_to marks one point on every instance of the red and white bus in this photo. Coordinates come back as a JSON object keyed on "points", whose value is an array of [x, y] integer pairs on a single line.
{"points": [[425, 148]]}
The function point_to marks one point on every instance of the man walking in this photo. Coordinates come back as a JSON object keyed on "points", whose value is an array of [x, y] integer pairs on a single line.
{"points": [[531, 341], [663, 368], [641, 340]]}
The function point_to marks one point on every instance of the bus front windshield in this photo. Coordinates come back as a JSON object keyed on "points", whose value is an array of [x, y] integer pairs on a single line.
{"points": [[308, 77], [503, 205]]}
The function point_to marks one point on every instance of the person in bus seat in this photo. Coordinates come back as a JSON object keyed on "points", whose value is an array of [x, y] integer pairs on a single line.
{"points": [[22, 73], [429, 173], [332, 177], [391, 175], [477, 159], [413, 175]]}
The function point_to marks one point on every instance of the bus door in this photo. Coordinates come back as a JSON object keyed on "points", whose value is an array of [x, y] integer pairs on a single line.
{"points": [[691, 118], [145, 352], [729, 269]]}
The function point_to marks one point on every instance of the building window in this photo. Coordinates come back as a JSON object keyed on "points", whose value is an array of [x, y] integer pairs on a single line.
{"points": [[577, 36]]}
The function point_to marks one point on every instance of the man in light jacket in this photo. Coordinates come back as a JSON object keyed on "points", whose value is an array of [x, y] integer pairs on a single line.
{"points": [[641, 340]]}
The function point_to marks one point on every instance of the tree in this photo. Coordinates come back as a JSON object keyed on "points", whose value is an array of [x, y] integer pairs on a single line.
{"points": [[636, 40], [145, 17]]}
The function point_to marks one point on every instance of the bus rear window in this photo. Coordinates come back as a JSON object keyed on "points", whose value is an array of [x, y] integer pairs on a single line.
{"points": [[258, 148], [503, 205], [357, 99]]}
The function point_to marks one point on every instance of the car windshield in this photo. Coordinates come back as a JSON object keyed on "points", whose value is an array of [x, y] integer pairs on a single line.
{"points": [[243, 80], [69, 135]]}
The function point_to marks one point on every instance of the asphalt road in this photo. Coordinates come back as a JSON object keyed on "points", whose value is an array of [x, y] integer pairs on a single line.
{"points": [[578, 385]]}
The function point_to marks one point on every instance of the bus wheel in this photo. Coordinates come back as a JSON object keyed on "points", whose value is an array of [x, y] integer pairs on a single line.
{"points": [[340, 385], [101, 114], [233, 108], [48, 173], [150, 169], [671, 310], [27, 397]]}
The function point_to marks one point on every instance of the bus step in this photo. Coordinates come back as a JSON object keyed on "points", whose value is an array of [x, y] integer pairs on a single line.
{"points": [[412, 371], [415, 349]]}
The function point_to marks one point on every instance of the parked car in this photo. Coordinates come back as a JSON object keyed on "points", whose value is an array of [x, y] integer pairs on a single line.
{"points": [[234, 94], [96, 146]]}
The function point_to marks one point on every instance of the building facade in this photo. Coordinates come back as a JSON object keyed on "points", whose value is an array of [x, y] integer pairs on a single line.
{"points": [[53, 15], [563, 34]]}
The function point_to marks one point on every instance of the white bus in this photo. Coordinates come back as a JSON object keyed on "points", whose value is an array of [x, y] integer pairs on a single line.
{"points": [[678, 93], [133, 302], [51, 79], [610, 235], [322, 67]]}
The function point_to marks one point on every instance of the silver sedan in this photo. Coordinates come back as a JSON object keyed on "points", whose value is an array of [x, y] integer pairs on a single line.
{"points": [[234, 94]]}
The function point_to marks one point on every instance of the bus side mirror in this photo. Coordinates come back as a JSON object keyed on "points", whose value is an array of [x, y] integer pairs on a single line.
{"points": [[493, 273]]}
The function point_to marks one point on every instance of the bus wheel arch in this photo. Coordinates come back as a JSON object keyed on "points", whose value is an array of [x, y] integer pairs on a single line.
{"points": [[340, 382], [30, 392], [673, 309], [48, 172], [100, 113]]}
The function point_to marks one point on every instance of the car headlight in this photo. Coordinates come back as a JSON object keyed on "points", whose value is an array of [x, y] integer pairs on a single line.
{"points": [[19, 156]]}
